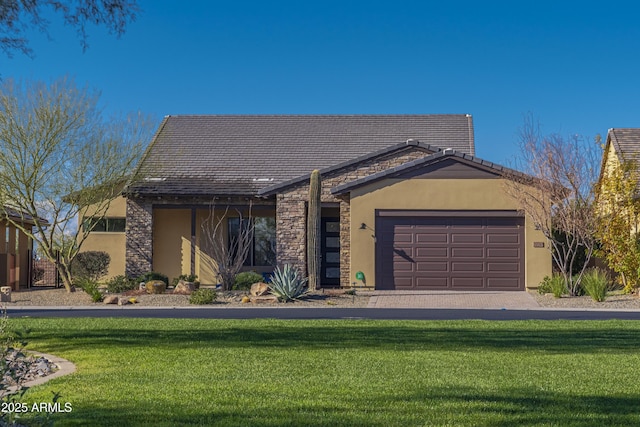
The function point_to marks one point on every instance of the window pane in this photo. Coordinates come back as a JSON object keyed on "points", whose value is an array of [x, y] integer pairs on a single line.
{"points": [[332, 227], [332, 273], [332, 242], [264, 241], [98, 224], [116, 224], [332, 257], [234, 236]]}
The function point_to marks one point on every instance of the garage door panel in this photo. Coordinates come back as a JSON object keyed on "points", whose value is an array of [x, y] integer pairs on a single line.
{"points": [[476, 267], [467, 253], [467, 283], [428, 252], [467, 238], [501, 239], [437, 282], [503, 253], [425, 252], [432, 266]]}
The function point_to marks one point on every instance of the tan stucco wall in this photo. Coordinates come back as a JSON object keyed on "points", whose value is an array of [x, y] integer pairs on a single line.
{"points": [[172, 242], [438, 194], [109, 242]]}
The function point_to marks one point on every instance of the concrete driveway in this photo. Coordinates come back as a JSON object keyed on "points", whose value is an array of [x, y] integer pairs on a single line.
{"points": [[452, 299]]}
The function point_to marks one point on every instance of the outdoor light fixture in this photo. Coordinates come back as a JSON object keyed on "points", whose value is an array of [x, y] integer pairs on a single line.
{"points": [[363, 226]]}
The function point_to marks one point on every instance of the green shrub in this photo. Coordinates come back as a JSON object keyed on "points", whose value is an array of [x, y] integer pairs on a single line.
{"points": [[203, 296], [119, 284], [90, 286], [152, 275], [553, 285], [596, 283], [245, 279], [90, 264], [193, 278], [288, 283]]}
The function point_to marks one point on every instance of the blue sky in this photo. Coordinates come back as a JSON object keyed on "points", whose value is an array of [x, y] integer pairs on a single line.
{"points": [[572, 64]]}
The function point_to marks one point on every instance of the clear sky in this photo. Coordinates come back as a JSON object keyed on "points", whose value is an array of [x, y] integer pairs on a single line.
{"points": [[575, 65]]}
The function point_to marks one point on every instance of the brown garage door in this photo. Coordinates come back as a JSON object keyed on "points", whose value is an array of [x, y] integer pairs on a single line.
{"points": [[450, 253]]}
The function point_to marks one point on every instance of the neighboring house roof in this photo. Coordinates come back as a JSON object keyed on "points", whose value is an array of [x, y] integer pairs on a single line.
{"points": [[405, 168], [626, 142], [235, 155], [18, 216]]}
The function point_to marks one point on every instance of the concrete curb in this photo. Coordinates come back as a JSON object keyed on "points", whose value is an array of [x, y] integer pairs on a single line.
{"points": [[64, 368]]}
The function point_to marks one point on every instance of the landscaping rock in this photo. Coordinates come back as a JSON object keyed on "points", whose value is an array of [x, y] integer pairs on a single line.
{"points": [[259, 289], [245, 299], [265, 299], [123, 301], [5, 294], [155, 287], [110, 299], [184, 288]]}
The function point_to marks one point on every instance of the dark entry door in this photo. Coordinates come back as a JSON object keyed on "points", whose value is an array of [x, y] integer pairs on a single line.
{"points": [[330, 248]]}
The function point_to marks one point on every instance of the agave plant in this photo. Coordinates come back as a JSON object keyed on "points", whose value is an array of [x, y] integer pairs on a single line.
{"points": [[288, 283]]}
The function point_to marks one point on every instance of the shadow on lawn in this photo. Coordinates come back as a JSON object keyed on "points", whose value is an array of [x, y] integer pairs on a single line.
{"points": [[436, 406], [349, 335]]}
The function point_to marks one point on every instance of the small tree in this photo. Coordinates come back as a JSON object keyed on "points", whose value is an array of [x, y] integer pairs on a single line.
{"points": [[557, 193], [91, 265], [59, 155], [618, 221], [313, 231], [226, 254]]}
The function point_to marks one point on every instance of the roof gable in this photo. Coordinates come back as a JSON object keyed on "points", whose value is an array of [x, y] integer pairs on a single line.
{"points": [[203, 155], [444, 164]]}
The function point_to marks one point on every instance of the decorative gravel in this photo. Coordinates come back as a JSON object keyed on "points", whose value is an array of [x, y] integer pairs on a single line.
{"points": [[59, 297], [615, 301]]}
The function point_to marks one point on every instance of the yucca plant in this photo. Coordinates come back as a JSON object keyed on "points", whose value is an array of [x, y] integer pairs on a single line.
{"points": [[595, 283], [288, 283]]}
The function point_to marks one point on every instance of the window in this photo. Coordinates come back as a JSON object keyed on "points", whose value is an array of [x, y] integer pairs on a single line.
{"points": [[111, 225], [262, 251]]}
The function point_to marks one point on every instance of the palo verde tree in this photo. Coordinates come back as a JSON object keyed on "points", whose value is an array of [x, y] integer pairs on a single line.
{"points": [[19, 16], [618, 221], [556, 192], [60, 155]]}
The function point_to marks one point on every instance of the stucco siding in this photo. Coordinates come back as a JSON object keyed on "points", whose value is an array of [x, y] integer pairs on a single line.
{"points": [[435, 194], [172, 241]]}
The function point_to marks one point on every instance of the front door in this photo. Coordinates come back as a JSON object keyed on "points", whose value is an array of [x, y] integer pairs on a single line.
{"points": [[330, 248]]}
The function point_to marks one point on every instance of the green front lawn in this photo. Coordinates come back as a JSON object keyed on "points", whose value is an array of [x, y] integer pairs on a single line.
{"points": [[374, 373]]}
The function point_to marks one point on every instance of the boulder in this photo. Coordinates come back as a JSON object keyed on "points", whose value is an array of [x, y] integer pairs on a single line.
{"points": [[265, 299], [110, 299], [184, 288], [155, 287], [123, 301], [246, 299], [259, 289]]}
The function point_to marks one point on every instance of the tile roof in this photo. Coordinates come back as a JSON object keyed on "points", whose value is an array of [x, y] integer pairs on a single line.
{"points": [[205, 155], [626, 142]]}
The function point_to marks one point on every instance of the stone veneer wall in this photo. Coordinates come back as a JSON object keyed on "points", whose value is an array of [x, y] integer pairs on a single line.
{"points": [[139, 237], [291, 210], [139, 231]]}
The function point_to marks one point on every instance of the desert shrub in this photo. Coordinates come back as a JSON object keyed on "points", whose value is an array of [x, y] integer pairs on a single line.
{"points": [[90, 264], [553, 285], [288, 283], [119, 284], [245, 279], [153, 275], [203, 296], [596, 283], [193, 278], [90, 286]]}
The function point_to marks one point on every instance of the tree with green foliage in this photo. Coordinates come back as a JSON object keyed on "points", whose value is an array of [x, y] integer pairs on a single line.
{"points": [[618, 222], [60, 155], [18, 16]]}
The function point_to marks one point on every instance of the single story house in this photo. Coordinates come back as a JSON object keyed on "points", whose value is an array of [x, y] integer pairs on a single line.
{"points": [[405, 202]]}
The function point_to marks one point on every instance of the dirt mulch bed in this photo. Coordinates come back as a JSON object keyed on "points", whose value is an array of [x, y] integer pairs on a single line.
{"points": [[62, 298]]}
